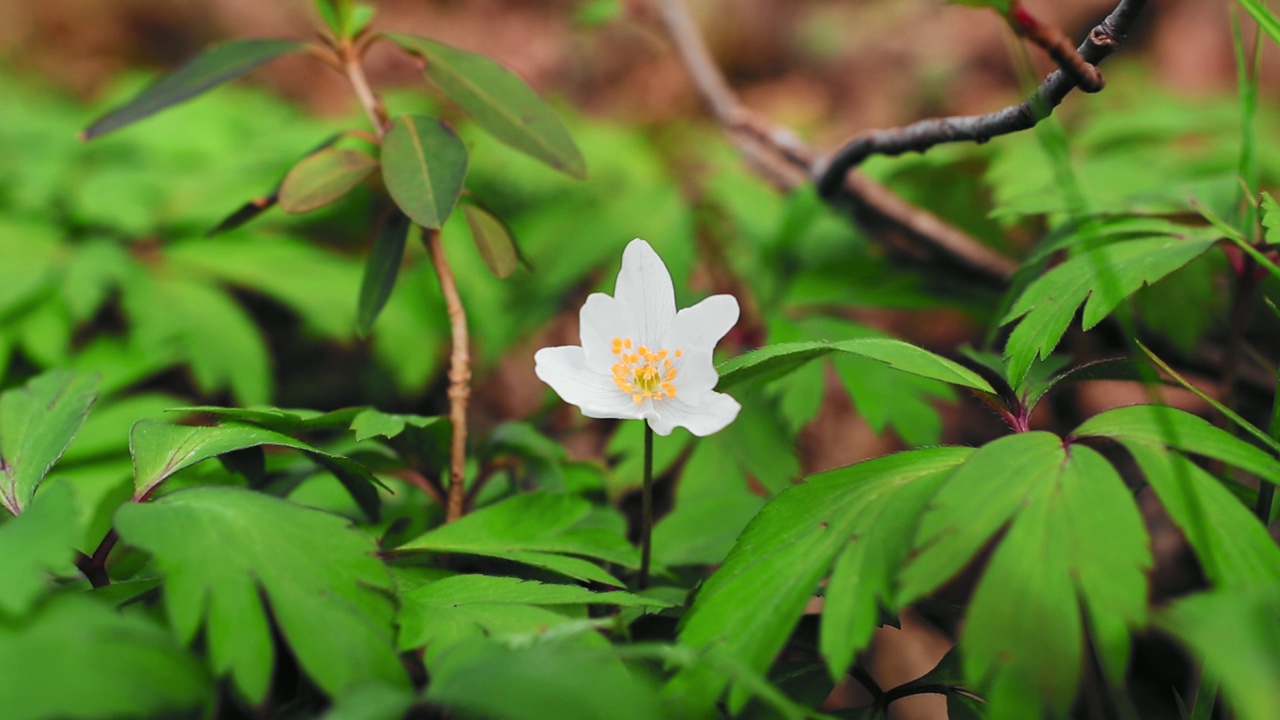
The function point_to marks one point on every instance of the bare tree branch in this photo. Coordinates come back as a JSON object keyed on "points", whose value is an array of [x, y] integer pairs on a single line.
{"points": [[918, 137]]}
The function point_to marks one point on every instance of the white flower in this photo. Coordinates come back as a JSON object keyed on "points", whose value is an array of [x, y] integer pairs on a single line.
{"points": [[640, 359]]}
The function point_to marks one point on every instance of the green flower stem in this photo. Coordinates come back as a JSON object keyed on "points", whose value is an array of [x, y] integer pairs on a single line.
{"points": [[646, 509]]}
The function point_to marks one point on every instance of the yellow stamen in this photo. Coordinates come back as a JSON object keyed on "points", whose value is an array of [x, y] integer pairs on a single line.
{"points": [[644, 374]]}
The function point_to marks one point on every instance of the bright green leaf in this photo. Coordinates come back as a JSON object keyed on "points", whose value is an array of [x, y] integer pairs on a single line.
{"points": [[749, 607], [381, 269], [493, 240], [223, 549], [322, 177], [1265, 18], [1000, 6], [37, 542], [499, 101], [78, 658], [1100, 278], [424, 164], [37, 422], [375, 423], [208, 69]]}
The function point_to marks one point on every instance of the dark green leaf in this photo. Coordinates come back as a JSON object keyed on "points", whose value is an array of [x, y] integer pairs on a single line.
{"points": [[749, 607], [499, 101], [277, 419], [80, 659], [322, 177], [1100, 278], [381, 269], [493, 240], [223, 549], [424, 164], [37, 542], [209, 69], [37, 422], [776, 360], [375, 423], [540, 529]]}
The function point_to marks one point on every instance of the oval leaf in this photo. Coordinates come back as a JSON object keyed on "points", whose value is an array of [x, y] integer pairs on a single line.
{"points": [[381, 269], [208, 69], [493, 240], [499, 101], [424, 164], [321, 178]]}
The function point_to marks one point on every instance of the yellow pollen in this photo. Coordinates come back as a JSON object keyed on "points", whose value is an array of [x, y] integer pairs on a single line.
{"points": [[644, 374]]}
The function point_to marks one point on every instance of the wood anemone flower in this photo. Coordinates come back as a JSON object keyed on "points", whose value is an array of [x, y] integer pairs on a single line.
{"points": [[639, 358]]}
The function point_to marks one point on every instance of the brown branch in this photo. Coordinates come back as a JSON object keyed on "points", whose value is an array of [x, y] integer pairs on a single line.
{"points": [[788, 163], [1083, 73], [459, 377]]}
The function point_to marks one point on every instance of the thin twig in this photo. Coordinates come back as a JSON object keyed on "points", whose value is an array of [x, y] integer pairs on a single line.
{"points": [[369, 100], [1049, 38], [829, 175], [788, 163], [459, 376]]}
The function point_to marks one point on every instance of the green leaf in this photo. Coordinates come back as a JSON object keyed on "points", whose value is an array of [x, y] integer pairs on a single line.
{"points": [[749, 607], [1163, 425], [1100, 278], [1236, 635], [493, 240], [37, 542], [1000, 6], [1271, 219], [776, 360], [1233, 548], [277, 419], [538, 529], [160, 450], [548, 680], [424, 164], [1264, 17], [225, 551], [207, 70], [37, 423], [375, 423], [499, 101], [1076, 547], [381, 269], [373, 701], [330, 14], [77, 658], [322, 177]]}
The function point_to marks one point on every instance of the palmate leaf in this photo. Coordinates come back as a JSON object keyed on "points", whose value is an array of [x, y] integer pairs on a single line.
{"points": [[1076, 549], [1236, 633], [424, 164], [540, 529], [1100, 278], [37, 423], [499, 101], [77, 658], [223, 551], [207, 70], [859, 518], [160, 450], [37, 542]]}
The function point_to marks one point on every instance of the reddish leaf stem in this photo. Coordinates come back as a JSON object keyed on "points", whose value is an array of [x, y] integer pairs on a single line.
{"points": [[459, 377]]}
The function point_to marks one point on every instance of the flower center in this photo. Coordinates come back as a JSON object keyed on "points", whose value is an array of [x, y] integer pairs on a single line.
{"points": [[642, 373]]}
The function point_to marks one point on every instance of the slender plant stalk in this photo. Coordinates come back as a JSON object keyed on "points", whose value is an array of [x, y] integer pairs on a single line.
{"points": [[459, 377], [646, 509], [369, 100]]}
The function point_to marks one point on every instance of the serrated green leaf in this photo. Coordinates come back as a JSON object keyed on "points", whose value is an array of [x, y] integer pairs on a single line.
{"points": [[499, 101], [749, 607], [1236, 634], [207, 70], [1180, 429], [225, 550], [1100, 278], [775, 360], [1264, 17], [1271, 219], [280, 420], [160, 450], [493, 240], [424, 164], [538, 529], [37, 542], [1233, 548], [37, 423], [381, 269], [322, 177], [77, 658], [375, 423]]}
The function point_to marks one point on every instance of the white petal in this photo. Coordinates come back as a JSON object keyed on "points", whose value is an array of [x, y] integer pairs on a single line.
{"points": [[700, 327], [696, 377], [645, 291], [714, 412], [565, 370], [602, 319]]}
